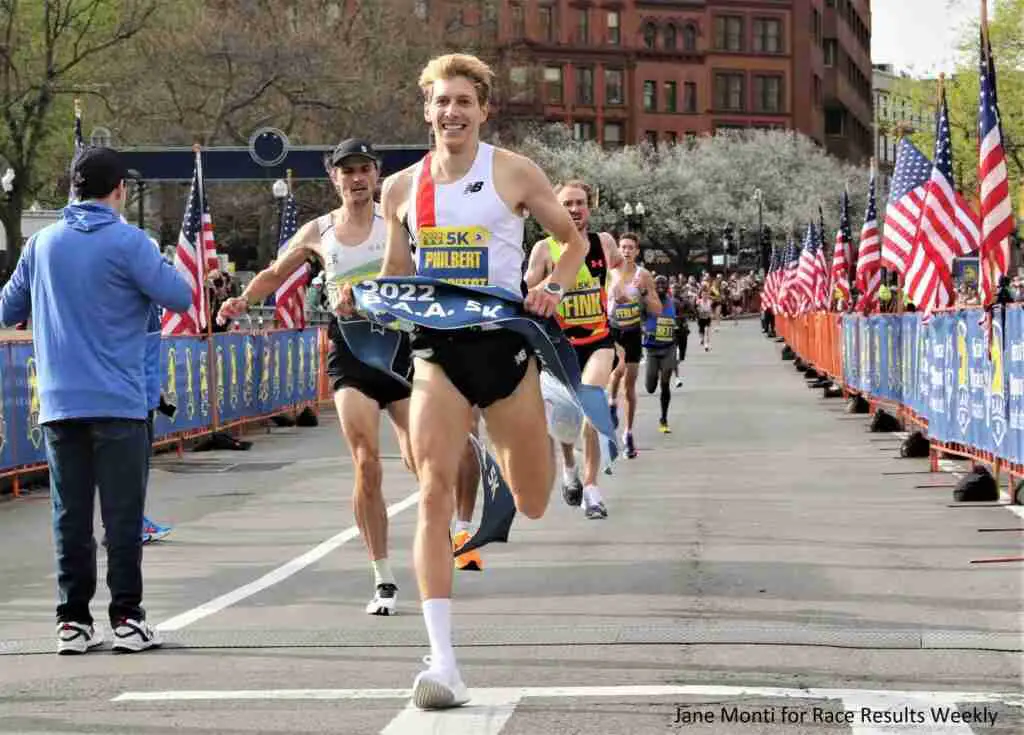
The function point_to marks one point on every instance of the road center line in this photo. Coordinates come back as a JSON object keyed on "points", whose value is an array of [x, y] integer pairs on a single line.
{"points": [[277, 575]]}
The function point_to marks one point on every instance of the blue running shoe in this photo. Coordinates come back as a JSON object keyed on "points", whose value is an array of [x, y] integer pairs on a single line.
{"points": [[154, 531]]}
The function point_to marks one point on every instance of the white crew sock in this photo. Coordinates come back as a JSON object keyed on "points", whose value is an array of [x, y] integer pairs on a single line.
{"points": [[591, 495], [382, 572], [437, 614], [461, 526]]}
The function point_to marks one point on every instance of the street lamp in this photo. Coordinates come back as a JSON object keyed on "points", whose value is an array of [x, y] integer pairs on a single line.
{"points": [[634, 215], [280, 191], [140, 195], [759, 198]]}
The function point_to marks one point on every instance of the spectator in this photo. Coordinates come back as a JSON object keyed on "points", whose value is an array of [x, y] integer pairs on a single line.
{"points": [[88, 282]]}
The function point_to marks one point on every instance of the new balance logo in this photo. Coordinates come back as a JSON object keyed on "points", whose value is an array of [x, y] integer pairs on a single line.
{"points": [[474, 187]]}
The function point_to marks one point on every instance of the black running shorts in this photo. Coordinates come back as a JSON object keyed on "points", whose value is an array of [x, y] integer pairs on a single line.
{"points": [[484, 365], [345, 370], [629, 341], [584, 352]]}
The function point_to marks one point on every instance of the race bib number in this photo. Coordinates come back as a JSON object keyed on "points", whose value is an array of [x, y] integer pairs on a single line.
{"points": [[665, 329], [582, 307], [456, 255], [627, 315]]}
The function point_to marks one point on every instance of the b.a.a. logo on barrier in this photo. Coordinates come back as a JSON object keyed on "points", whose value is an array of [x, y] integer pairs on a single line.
{"points": [[963, 378], [233, 388], [289, 368], [190, 386], [997, 414], [895, 358], [219, 359], [249, 374], [265, 374], [314, 363], [277, 370], [171, 382], [34, 431], [204, 383], [301, 369], [876, 359]]}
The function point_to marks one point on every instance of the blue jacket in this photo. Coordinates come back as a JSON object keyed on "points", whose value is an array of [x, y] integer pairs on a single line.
{"points": [[153, 371], [89, 282]]}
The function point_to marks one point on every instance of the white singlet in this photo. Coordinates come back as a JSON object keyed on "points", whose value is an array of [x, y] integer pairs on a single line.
{"points": [[465, 233], [350, 263]]}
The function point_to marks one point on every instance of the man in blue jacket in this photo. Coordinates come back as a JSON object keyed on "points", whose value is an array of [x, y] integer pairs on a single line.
{"points": [[88, 282]]}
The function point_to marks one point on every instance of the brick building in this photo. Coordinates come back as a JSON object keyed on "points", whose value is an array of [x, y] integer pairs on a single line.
{"points": [[626, 71]]}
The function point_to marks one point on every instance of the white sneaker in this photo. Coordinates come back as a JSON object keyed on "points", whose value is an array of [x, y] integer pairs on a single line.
{"points": [[679, 382], [132, 636], [384, 599], [73, 638], [439, 689]]}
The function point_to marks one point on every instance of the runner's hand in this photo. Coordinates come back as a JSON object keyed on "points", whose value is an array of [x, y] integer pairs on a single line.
{"points": [[346, 305], [540, 302], [232, 309]]}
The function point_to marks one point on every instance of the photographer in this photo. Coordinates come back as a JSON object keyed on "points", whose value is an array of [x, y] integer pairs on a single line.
{"points": [[219, 288]]}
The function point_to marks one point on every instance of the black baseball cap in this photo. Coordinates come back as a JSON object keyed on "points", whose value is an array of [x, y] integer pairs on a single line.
{"points": [[351, 148], [97, 172]]}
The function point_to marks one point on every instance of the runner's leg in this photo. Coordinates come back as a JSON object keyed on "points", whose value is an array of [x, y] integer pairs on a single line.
{"points": [[595, 372]]}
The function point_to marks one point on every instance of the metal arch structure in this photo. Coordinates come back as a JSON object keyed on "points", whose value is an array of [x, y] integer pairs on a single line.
{"points": [[234, 164]]}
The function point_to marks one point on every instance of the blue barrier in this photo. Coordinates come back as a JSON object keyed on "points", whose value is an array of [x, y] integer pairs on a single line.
{"points": [[234, 378]]}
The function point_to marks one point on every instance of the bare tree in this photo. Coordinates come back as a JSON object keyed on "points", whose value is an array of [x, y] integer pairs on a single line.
{"points": [[45, 46]]}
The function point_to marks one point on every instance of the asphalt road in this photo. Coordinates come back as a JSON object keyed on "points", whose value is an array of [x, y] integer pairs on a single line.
{"points": [[770, 566]]}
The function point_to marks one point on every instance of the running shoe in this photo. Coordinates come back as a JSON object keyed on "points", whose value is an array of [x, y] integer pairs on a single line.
{"points": [[595, 512], [438, 689], [614, 410], [384, 599], [664, 428], [573, 492], [132, 636], [679, 382], [74, 638], [154, 531], [471, 560], [627, 439]]}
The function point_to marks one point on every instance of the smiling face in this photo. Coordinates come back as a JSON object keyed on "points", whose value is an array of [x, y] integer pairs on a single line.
{"points": [[575, 200], [454, 112], [355, 179]]}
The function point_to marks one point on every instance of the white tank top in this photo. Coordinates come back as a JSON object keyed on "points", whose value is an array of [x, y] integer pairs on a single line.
{"points": [[350, 263], [465, 233]]}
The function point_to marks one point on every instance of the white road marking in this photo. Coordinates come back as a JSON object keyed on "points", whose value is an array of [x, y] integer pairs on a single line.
{"points": [[277, 575], [490, 709]]}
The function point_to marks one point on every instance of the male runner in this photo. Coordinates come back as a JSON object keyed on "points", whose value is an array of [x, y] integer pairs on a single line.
{"points": [[350, 243], [584, 319], [465, 204], [632, 294], [660, 345]]}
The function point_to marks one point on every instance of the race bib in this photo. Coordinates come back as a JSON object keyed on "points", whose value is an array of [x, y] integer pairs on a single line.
{"points": [[582, 307], [456, 255], [627, 315], [665, 329]]}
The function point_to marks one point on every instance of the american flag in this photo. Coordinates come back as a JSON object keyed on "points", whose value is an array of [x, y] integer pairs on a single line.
{"points": [[290, 298], [842, 255], [768, 293], [996, 207], [948, 228], [869, 254], [805, 280], [821, 294], [195, 257], [786, 293], [903, 213]]}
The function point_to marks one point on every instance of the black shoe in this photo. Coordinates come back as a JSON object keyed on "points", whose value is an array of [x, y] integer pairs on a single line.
{"points": [[573, 492], [630, 447]]}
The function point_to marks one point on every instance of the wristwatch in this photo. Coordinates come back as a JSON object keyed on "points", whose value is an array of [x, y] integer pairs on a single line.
{"points": [[555, 289]]}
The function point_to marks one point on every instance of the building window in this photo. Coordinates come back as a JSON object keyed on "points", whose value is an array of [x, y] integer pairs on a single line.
{"points": [[768, 94], [548, 23], [651, 138], [831, 48], [519, 84], [689, 97], [583, 26], [614, 87], [728, 33], [670, 97], [650, 35], [689, 37], [583, 130], [650, 96], [613, 135], [518, 21], [584, 85], [671, 137], [884, 145], [553, 85], [614, 33], [767, 36], [817, 91], [729, 92], [833, 122], [670, 37]]}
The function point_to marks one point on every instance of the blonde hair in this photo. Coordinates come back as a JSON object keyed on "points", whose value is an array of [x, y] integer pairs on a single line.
{"points": [[578, 184], [450, 66]]}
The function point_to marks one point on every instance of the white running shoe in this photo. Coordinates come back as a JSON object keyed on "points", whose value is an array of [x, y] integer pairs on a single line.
{"points": [[132, 636], [73, 638], [438, 689], [679, 382], [384, 599]]}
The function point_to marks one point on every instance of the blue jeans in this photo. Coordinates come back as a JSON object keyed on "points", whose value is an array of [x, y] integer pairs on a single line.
{"points": [[113, 456]]}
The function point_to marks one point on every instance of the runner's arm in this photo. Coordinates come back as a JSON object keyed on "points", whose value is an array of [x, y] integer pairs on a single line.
{"points": [[297, 251], [652, 303], [539, 198], [540, 264], [397, 254], [611, 251]]}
